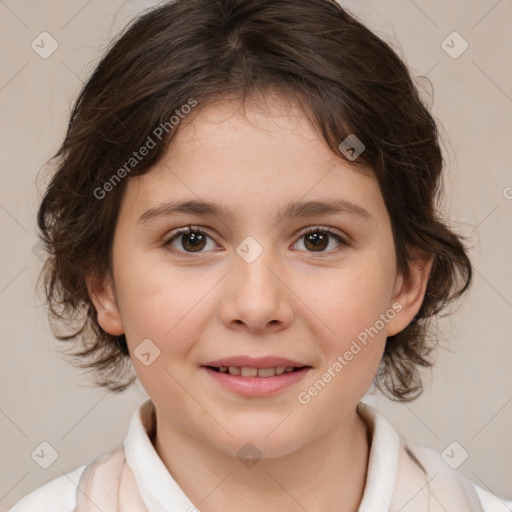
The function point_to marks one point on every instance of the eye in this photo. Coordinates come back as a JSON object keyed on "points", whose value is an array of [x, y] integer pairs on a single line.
{"points": [[316, 240], [191, 240]]}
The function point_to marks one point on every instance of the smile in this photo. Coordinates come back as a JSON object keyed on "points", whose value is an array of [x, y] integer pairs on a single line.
{"points": [[248, 371], [251, 382]]}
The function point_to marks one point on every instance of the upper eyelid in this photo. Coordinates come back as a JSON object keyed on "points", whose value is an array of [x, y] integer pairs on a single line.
{"points": [[191, 228]]}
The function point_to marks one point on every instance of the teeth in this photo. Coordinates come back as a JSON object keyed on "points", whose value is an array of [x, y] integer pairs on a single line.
{"points": [[247, 371], [234, 370], [266, 372]]}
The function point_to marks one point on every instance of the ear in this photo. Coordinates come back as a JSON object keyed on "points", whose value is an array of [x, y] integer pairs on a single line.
{"points": [[101, 292], [409, 291]]}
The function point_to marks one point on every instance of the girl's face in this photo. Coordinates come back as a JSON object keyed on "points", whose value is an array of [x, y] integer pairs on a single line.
{"points": [[296, 262]]}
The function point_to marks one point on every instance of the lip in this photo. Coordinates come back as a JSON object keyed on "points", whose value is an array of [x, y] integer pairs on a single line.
{"points": [[256, 386], [254, 362]]}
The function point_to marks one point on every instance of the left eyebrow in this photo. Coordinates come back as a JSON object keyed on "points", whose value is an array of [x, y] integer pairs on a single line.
{"points": [[290, 211]]}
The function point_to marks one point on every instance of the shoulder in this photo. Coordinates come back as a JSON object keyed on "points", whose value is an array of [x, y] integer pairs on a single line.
{"points": [[58, 495], [491, 502], [435, 466], [420, 478]]}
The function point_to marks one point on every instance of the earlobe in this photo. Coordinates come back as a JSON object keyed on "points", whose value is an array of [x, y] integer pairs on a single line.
{"points": [[410, 291], [100, 291]]}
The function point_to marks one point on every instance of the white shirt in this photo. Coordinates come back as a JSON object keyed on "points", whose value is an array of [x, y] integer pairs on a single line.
{"points": [[161, 493]]}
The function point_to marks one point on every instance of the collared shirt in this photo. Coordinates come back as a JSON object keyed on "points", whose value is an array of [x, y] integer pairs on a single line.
{"points": [[161, 493]]}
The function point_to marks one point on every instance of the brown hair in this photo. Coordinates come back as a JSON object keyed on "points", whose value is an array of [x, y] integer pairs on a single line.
{"points": [[345, 79]]}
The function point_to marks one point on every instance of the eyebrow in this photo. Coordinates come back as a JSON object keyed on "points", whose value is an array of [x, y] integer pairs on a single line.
{"points": [[290, 211]]}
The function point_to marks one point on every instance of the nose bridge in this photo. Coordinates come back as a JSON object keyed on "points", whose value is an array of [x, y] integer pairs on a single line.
{"points": [[255, 261]]}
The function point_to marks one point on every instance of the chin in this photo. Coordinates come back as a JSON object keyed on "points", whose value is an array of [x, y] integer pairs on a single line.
{"points": [[258, 441]]}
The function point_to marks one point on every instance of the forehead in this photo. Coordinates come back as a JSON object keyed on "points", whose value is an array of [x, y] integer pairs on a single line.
{"points": [[254, 157], [261, 122]]}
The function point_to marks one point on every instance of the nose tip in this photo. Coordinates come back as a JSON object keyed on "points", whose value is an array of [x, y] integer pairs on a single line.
{"points": [[257, 303]]}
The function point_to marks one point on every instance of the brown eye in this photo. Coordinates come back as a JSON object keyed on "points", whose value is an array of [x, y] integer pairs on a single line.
{"points": [[193, 241], [189, 240], [318, 240]]}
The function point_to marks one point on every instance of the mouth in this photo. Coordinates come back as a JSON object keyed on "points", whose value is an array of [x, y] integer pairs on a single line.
{"points": [[255, 377], [250, 371]]}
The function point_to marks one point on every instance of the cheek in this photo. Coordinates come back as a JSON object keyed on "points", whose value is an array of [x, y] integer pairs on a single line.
{"points": [[352, 309], [349, 300], [159, 302], [164, 315], [351, 336]]}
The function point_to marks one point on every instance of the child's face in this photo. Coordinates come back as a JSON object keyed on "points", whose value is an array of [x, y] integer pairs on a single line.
{"points": [[213, 302]]}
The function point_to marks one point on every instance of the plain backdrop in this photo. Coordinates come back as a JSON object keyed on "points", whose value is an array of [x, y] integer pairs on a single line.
{"points": [[468, 395]]}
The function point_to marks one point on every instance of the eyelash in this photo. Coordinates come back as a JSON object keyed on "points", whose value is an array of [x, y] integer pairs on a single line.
{"points": [[197, 230]]}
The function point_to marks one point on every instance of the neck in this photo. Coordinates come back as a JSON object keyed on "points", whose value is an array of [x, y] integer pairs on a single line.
{"points": [[329, 473]]}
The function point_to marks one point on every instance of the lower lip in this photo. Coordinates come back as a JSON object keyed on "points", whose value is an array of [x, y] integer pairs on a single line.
{"points": [[257, 386]]}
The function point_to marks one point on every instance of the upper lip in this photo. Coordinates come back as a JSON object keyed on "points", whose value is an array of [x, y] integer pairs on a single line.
{"points": [[254, 362]]}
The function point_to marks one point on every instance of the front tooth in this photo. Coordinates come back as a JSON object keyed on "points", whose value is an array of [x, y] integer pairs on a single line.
{"points": [[234, 370], [246, 371], [280, 370], [266, 372], [223, 369], [289, 369]]}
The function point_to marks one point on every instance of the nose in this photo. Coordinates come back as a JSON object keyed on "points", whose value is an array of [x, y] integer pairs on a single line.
{"points": [[256, 295]]}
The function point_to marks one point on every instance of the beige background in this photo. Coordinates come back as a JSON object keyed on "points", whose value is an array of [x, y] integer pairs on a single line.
{"points": [[468, 395]]}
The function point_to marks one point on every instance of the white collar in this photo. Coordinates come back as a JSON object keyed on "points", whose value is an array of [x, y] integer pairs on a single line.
{"points": [[382, 463], [161, 493], [157, 487]]}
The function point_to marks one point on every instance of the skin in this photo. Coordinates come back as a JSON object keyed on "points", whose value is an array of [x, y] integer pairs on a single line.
{"points": [[289, 302]]}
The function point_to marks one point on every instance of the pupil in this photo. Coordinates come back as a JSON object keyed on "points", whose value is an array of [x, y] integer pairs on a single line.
{"points": [[195, 241], [317, 240]]}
